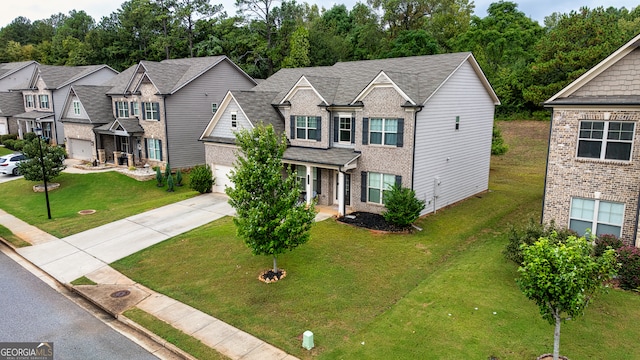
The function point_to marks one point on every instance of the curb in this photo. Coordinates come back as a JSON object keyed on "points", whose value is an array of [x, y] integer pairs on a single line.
{"points": [[132, 325]]}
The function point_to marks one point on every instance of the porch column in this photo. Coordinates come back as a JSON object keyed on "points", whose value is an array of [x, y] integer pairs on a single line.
{"points": [[341, 208], [309, 185], [130, 160], [102, 156]]}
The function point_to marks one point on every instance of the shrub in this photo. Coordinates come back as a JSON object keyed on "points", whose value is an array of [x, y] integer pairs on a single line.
{"points": [[170, 184], [16, 145], [531, 233], [629, 273], [403, 207], [201, 179], [603, 242], [158, 176], [5, 137], [178, 178], [498, 147], [167, 171], [30, 136]]}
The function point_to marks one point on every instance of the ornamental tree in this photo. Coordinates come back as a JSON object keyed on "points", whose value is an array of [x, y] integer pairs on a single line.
{"points": [[52, 156], [270, 218], [563, 277]]}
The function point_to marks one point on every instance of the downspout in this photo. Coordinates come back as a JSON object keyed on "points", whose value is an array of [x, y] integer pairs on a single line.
{"points": [[55, 118], [546, 167], [413, 153], [166, 127]]}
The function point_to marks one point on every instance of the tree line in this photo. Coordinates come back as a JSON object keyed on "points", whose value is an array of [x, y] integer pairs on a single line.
{"points": [[526, 62]]}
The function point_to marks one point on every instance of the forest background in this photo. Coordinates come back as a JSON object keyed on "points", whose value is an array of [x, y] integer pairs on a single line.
{"points": [[526, 62]]}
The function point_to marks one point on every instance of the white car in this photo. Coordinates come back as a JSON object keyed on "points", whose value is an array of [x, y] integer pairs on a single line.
{"points": [[9, 163]]}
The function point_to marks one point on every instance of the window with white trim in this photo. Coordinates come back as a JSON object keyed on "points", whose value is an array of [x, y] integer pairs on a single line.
{"points": [[306, 127], [30, 101], [135, 108], [76, 107], [344, 131], [383, 131], [122, 109], [234, 120], [44, 101], [377, 185], [153, 149], [151, 111], [301, 177], [602, 217], [610, 140]]}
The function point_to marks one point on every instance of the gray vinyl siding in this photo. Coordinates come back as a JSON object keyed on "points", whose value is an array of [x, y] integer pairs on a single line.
{"points": [[18, 79], [459, 158], [69, 114], [223, 127], [188, 112]]}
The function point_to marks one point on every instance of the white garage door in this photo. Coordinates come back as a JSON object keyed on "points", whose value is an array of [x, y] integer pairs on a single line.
{"points": [[221, 173], [80, 149], [3, 127]]}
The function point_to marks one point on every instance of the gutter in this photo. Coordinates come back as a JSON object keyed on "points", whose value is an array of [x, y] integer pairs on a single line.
{"points": [[413, 152], [546, 168]]}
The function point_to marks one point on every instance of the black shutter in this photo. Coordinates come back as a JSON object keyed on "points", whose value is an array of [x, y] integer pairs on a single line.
{"points": [[156, 109], [292, 121], [400, 135], [365, 131], [131, 109], [399, 180], [318, 128], [160, 147], [146, 148], [363, 189], [353, 130], [336, 129], [319, 181], [144, 112]]}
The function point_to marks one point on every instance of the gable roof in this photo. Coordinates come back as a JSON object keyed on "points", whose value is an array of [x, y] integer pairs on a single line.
{"points": [[11, 103], [94, 101], [418, 77], [169, 76], [258, 109], [7, 69], [56, 77], [563, 96]]}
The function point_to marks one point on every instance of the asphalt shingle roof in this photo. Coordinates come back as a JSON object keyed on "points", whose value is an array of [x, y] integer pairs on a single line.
{"points": [[257, 106], [57, 76], [11, 103], [331, 156], [131, 126], [596, 100], [95, 102], [8, 68], [34, 115]]}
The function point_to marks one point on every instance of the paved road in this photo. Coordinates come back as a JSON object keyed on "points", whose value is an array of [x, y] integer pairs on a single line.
{"points": [[32, 311], [5, 178]]}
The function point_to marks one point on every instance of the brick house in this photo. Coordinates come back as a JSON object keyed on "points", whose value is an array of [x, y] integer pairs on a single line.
{"points": [[355, 128], [593, 167]]}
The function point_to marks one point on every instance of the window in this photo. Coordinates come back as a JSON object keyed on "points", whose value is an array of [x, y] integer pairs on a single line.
{"points": [[76, 107], [44, 101], [234, 120], [46, 130], [154, 151], [377, 185], [383, 131], [124, 144], [214, 108], [30, 101], [301, 177], [614, 137], [344, 130], [601, 217], [122, 109], [306, 127], [457, 122], [151, 111], [135, 108]]}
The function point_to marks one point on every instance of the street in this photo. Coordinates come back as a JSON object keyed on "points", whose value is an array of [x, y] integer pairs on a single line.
{"points": [[32, 311]]}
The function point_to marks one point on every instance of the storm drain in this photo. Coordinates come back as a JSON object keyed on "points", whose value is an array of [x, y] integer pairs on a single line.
{"points": [[120, 293]]}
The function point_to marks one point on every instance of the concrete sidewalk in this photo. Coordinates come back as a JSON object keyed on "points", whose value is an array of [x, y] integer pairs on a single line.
{"points": [[89, 253]]}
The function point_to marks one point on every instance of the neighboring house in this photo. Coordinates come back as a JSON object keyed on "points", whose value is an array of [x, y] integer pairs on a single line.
{"points": [[85, 108], [15, 75], [47, 89], [10, 105], [158, 110], [593, 168], [355, 128]]}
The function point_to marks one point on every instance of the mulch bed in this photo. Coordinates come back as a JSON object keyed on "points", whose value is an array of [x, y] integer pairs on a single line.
{"points": [[370, 221]]}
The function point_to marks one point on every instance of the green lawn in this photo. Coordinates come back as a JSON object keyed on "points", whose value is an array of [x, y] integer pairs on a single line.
{"points": [[114, 196], [371, 296], [5, 151]]}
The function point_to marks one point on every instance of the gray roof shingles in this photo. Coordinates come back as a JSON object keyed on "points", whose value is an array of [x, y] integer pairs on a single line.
{"points": [[11, 103], [57, 76], [331, 156], [95, 102], [257, 106]]}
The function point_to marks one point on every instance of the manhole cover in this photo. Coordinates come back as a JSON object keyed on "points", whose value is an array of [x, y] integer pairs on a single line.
{"points": [[86, 212], [120, 293]]}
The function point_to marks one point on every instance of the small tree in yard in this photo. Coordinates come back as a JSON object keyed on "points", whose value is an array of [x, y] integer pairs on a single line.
{"points": [[53, 157], [201, 179], [269, 219], [403, 207], [563, 277], [170, 184], [178, 178], [158, 176]]}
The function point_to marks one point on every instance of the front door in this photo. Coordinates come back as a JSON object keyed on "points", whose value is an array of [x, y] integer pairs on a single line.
{"points": [[347, 189]]}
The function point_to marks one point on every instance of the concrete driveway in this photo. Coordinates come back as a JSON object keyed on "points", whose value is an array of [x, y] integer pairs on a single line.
{"points": [[5, 178]]}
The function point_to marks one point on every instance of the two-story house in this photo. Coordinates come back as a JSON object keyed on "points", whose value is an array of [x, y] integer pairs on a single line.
{"points": [[157, 112], [593, 167], [14, 75], [355, 128], [45, 92]]}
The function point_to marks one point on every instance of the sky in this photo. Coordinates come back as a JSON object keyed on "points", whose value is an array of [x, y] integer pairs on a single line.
{"points": [[38, 10]]}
